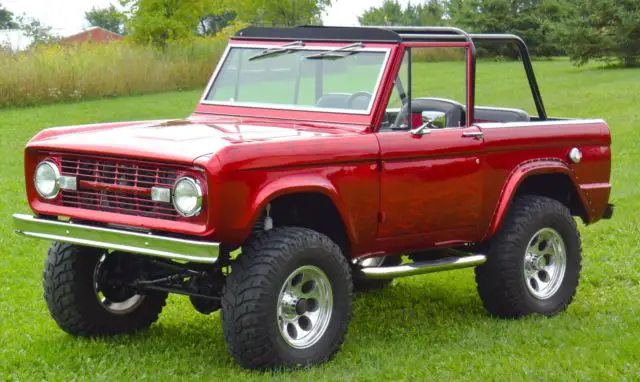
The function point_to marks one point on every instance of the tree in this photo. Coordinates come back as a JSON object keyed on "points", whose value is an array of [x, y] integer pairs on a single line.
{"points": [[6, 19], [606, 30], [38, 32], [158, 21], [533, 20], [286, 13], [107, 18], [391, 12], [210, 25]]}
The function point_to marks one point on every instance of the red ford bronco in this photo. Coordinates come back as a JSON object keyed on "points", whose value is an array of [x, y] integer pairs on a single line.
{"points": [[319, 161]]}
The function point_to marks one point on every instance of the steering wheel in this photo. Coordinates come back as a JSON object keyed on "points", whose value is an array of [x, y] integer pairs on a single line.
{"points": [[354, 97]]}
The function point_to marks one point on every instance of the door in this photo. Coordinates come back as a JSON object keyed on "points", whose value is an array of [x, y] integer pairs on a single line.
{"points": [[431, 182]]}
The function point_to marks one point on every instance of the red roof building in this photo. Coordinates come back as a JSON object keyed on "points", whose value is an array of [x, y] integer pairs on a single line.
{"points": [[95, 34]]}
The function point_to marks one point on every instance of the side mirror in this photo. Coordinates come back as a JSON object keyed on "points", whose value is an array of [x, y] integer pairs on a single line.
{"points": [[430, 120]]}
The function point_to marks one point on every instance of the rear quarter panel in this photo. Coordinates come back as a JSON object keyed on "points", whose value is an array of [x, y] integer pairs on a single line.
{"points": [[515, 150]]}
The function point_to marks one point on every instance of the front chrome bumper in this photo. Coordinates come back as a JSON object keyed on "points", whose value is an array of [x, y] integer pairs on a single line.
{"points": [[115, 239]]}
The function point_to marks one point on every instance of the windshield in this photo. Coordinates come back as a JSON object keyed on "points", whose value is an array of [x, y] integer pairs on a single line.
{"points": [[293, 77]]}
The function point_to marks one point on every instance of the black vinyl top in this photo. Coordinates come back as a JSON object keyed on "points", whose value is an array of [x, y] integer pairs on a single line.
{"points": [[319, 33]]}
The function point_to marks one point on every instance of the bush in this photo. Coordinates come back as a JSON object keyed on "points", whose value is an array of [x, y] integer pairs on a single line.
{"points": [[54, 73]]}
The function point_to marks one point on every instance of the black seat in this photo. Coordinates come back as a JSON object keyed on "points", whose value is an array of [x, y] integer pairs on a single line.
{"points": [[498, 114]]}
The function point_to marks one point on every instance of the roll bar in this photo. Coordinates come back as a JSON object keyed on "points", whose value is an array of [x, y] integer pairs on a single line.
{"points": [[398, 34]]}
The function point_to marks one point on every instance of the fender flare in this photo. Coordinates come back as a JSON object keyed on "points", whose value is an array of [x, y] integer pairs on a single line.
{"points": [[524, 171], [295, 185]]}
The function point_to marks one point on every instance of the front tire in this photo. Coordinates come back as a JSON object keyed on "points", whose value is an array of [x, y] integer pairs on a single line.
{"points": [[534, 261], [83, 300], [287, 301]]}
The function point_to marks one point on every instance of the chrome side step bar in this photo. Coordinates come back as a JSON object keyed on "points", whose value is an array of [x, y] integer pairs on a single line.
{"points": [[412, 269]]}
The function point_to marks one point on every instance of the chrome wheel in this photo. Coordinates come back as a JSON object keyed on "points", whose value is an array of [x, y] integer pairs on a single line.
{"points": [[304, 307], [116, 300], [545, 263]]}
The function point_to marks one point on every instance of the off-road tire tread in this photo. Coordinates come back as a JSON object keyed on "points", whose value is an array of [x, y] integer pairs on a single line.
{"points": [[243, 308], [497, 279], [64, 283]]}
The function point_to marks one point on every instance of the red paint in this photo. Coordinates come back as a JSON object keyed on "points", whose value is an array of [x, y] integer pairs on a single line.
{"points": [[394, 191]]}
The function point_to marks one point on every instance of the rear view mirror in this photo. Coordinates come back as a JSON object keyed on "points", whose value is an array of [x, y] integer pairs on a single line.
{"points": [[430, 120], [435, 119]]}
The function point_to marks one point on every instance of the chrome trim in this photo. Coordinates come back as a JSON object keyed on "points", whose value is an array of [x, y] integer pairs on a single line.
{"points": [[161, 194], [56, 171], [501, 125], [196, 184], [478, 135], [383, 68], [419, 268], [115, 239], [68, 183]]}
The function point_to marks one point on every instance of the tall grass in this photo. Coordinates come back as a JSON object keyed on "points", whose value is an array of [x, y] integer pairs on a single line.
{"points": [[50, 74]]}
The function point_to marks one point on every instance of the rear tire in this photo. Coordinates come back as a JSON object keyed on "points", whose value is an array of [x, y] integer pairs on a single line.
{"points": [[281, 277], [534, 261], [74, 303]]}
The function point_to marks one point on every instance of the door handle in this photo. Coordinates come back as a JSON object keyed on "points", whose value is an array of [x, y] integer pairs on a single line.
{"points": [[479, 135]]}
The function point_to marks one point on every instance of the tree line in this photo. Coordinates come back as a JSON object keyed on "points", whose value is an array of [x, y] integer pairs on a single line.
{"points": [[605, 30]]}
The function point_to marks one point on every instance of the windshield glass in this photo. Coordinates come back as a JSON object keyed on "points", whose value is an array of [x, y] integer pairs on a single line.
{"points": [[299, 78]]}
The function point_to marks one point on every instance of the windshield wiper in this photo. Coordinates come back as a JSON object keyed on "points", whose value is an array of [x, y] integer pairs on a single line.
{"points": [[277, 50], [337, 53]]}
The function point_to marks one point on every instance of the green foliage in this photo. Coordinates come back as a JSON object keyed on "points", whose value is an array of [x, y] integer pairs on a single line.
{"points": [[533, 20], [391, 12], [606, 30], [107, 18], [6, 19], [159, 21], [214, 23], [53, 73], [280, 12], [38, 32]]}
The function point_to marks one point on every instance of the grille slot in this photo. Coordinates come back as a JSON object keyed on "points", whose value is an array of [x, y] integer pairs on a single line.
{"points": [[136, 175]]}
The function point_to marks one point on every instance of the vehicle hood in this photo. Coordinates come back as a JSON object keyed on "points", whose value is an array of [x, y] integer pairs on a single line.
{"points": [[179, 141]]}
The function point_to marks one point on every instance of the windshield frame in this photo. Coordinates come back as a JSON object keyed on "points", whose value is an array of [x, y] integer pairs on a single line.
{"points": [[307, 47]]}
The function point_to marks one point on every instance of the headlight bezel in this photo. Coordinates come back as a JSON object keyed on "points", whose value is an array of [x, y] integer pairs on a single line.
{"points": [[199, 195], [56, 172]]}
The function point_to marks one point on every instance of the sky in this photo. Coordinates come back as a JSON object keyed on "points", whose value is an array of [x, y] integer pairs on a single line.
{"points": [[67, 16]]}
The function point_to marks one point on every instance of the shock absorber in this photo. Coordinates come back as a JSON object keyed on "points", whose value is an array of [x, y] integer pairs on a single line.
{"points": [[264, 222]]}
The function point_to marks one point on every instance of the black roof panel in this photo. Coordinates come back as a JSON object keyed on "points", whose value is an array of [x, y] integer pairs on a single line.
{"points": [[319, 33]]}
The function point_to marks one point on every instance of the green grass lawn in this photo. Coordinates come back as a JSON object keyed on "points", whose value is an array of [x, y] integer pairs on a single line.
{"points": [[426, 327]]}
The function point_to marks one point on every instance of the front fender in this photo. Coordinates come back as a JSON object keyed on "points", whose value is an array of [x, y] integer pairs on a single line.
{"points": [[524, 171], [238, 228]]}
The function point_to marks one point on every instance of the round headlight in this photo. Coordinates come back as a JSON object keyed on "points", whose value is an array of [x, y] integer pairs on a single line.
{"points": [[46, 180], [187, 197]]}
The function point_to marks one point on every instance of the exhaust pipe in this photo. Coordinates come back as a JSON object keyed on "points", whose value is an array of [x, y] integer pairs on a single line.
{"points": [[419, 268]]}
